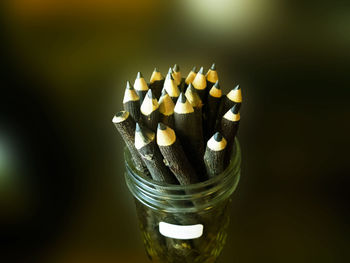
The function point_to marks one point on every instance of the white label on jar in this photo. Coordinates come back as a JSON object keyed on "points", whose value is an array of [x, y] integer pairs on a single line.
{"points": [[181, 232]]}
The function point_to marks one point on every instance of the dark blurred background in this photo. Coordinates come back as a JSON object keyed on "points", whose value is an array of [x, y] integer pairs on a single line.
{"points": [[64, 65]]}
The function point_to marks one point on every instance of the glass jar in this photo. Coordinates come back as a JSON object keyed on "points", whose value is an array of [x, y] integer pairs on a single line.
{"points": [[184, 223]]}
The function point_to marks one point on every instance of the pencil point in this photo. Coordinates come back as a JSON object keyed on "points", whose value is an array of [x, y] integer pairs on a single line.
{"points": [[139, 75], [170, 71], [161, 126], [128, 85], [194, 69], [150, 94], [164, 92], [201, 70], [156, 69], [235, 109], [138, 128], [237, 87], [217, 137], [176, 68], [216, 85], [213, 67], [182, 98]]}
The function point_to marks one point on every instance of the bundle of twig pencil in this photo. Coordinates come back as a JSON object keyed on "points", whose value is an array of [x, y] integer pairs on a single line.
{"points": [[179, 130]]}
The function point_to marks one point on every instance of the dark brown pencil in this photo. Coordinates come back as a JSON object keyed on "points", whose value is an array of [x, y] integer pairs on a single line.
{"points": [[140, 86], [212, 107], [166, 110], [215, 154], [146, 145], [156, 82], [171, 87], [174, 156], [126, 128], [131, 102], [200, 84], [229, 128], [196, 102], [190, 77], [188, 131], [150, 111]]}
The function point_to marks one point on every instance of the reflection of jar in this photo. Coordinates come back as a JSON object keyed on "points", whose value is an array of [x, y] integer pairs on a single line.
{"points": [[184, 223]]}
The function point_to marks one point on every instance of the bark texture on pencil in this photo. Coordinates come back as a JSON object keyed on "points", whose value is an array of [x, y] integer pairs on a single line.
{"points": [[196, 102], [174, 156], [140, 86], [229, 128], [215, 154], [190, 77], [189, 133], [200, 84], [171, 87], [213, 104], [166, 110], [156, 82], [146, 145], [126, 128], [150, 111], [131, 102]]}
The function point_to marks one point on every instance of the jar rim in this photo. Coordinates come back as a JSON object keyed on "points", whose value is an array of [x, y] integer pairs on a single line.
{"points": [[234, 164]]}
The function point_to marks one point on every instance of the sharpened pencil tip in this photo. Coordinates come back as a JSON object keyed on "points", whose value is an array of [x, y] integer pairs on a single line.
{"points": [[235, 108], [194, 69], [217, 137], [164, 92], [213, 67], [217, 85], [156, 69], [170, 71], [138, 128], [182, 98], [176, 68], [139, 75], [201, 71], [237, 87], [161, 126], [150, 94], [128, 85]]}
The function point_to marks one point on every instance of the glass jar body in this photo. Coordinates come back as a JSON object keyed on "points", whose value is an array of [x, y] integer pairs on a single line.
{"points": [[184, 223]]}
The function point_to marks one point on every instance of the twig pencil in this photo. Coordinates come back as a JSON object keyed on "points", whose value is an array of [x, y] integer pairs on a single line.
{"points": [[189, 132], [146, 145], [126, 127], [156, 82], [212, 76], [215, 154], [200, 84], [140, 86], [150, 111], [196, 102], [213, 104], [166, 110], [131, 102], [229, 128], [174, 155], [232, 98], [190, 77], [171, 87], [176, 74]]}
